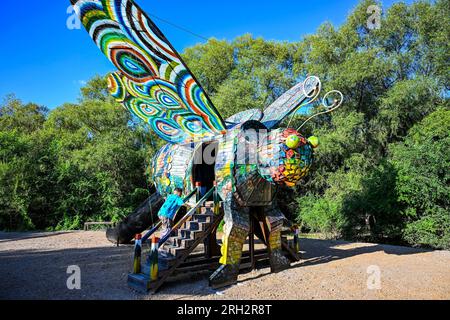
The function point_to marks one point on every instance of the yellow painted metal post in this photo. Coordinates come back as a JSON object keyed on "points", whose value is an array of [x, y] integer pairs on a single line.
{"points": [[153, 259]]}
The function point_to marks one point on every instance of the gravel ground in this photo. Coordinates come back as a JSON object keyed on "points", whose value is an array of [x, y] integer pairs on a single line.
{"points": [[34, 265]]}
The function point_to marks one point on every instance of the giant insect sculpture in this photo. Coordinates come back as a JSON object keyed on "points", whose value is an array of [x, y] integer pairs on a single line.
{"points": [[248, 155]]}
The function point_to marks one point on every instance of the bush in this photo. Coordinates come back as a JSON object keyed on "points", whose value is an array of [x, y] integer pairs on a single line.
{"points": [[321, 215]]}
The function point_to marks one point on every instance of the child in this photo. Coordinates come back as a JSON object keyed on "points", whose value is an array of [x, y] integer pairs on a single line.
{"points": [[169, 209]]}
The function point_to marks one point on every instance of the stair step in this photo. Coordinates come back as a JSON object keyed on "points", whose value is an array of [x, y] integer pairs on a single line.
{"points": [[208, 204], [165, 261], [139, 282], [186, 242], [195, 225], [191, 234], [207, 210], [203, 217], [190, 225], [175, 251], [182, 242], [171, 245], [162, 266], [173, 241]]}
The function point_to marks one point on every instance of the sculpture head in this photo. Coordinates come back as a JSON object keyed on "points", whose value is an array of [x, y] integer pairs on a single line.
{"points": [[286, 156]]}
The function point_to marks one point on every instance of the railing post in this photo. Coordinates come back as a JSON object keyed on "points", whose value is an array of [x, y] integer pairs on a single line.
{"points": [[296, 242], [153, 259], [216, 199], [251, 242], [198, 195], [137, 254]]}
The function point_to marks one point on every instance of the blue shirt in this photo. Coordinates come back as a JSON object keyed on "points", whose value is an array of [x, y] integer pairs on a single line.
{"points": [[170, 206]]}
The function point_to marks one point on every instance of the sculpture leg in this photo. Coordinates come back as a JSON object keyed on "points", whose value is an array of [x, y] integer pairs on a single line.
{"points": [[274, 222], [236, 228]]}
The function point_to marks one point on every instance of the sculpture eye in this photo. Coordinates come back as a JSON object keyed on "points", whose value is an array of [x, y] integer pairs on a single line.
{"points": [[292, 141], [314, 141]]}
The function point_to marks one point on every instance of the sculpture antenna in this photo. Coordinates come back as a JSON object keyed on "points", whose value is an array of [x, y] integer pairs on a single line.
{"points": [[329, 108]]}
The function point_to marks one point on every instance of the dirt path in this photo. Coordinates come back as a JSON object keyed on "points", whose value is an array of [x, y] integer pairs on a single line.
{"points": [[34, 265]]}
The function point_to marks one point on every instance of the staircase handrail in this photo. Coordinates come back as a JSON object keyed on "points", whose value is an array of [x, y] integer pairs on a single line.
{"points": [[158, 224]]}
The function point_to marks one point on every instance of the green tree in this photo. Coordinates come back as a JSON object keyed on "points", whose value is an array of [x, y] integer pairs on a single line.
{"points": [[96, 89], [22, 163], [422, 162], [100, 162], [390, 82], [242, 74], [212, 63]]}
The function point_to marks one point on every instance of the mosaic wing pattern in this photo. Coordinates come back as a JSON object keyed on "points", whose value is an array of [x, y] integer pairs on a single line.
{"points": [[287, 103], [152, 82]]}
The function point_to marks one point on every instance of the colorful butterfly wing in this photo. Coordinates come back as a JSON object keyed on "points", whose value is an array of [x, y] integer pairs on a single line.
{"points": [[288, 103], [152, 81]]}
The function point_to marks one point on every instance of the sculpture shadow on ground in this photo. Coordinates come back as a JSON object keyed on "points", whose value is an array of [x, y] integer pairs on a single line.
{"points": [[317, 251]]}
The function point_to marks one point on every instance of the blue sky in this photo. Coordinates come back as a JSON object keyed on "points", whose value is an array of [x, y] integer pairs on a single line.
{"points": [[45, 62]]}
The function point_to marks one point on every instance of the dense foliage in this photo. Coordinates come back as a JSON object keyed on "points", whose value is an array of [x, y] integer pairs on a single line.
{"points": [[381, 170], [422, 166]]}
